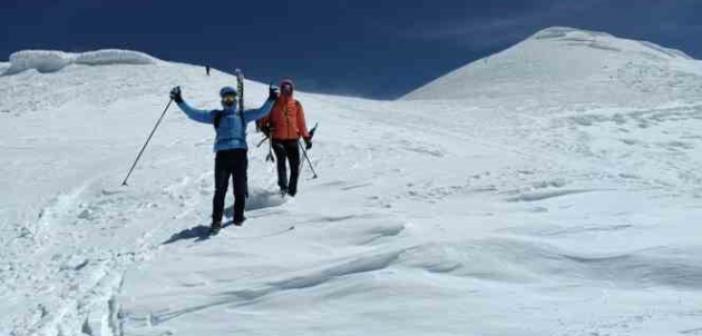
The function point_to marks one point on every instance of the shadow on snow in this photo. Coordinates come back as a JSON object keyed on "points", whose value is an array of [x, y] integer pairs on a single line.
{"points": [[260, 199]]}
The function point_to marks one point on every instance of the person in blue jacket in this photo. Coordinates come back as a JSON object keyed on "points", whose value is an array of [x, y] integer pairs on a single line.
{"points": [[230, 147]]}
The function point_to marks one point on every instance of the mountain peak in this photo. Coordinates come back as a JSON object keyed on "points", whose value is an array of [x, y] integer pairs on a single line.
{"points": [[573, 64], [558, 32], [604, 41]]}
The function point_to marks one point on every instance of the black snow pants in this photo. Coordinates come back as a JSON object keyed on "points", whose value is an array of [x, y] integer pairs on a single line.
{"points": [[287, 150], [230, 163]]}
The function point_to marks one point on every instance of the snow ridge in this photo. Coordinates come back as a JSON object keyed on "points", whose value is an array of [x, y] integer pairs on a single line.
{"points": [[603, 40], [46, 61]]}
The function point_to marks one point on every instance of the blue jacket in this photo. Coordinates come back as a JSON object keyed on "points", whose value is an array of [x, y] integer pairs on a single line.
{"points": [[231, 133]]}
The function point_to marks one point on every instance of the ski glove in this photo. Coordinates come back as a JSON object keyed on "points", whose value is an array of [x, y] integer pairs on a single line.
{"points": [[176, 95], [272, 92], [308, 143]]}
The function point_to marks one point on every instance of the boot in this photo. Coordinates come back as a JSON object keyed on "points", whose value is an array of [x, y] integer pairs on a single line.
{"points": [[239, 221], [216, 226]]}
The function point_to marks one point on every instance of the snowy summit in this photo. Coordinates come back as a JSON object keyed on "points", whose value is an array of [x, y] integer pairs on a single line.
{"points": [[550, 189], [570, 65]]}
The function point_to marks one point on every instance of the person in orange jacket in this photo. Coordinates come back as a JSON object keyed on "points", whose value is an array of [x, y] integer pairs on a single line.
{"points": [[285, 126]]}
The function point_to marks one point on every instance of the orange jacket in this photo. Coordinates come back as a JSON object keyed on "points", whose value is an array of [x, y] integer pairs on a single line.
{"points": [[287, 120]]}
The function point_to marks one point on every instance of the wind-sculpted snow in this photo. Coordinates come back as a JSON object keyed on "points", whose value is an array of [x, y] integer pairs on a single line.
{"points": [[604, 41], [260, 199], [563, 32], [41, 60], [113, 56], [52, 60], [573, 210], [525, 261]]}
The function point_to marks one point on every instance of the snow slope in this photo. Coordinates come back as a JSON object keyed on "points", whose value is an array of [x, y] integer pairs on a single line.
{"points": [[489, 216], [567, 65]]}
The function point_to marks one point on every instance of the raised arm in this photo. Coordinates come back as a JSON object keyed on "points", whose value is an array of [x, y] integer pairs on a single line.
{"points": [[255, 114], [202, 116]]}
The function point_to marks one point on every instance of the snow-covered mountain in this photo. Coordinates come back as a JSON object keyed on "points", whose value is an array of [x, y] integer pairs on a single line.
{"points": [[501, 214], [574, 66]]}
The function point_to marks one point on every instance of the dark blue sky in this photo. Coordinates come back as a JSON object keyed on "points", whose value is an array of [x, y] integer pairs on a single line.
{"points": [[377, 48]]}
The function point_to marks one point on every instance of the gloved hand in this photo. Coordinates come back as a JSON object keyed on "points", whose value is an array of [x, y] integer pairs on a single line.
{"points": [[308, 143], [272, 92], [176, 95]]}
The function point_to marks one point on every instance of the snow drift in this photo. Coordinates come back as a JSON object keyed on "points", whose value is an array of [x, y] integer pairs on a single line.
{"points": [[547, 218], [54, 60], [574, 66]]}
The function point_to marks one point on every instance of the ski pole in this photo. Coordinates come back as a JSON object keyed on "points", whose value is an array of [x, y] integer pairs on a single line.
{"points": [[260, 143], [124, 183], [270, 157], [308, 159]]}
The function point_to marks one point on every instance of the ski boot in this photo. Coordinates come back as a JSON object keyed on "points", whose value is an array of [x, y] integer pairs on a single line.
{"points": [[239, 221], [216, 226]]}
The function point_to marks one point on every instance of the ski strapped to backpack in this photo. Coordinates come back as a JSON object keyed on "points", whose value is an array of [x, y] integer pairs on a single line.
{"points": [[269, 135], [240, 88]]}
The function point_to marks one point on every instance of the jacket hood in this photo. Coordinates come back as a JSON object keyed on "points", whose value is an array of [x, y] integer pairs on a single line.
{"points": [[287, 81]]}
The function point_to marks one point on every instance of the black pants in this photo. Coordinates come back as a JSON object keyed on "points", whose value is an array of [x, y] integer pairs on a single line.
{"points": [[232, 162], [287, 150]]}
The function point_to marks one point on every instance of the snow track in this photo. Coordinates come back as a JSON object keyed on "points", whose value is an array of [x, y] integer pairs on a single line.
{"points": [[440, 217]]}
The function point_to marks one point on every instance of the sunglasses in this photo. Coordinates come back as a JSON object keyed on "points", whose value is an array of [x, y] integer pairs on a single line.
{"points": [[229, 98]]}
